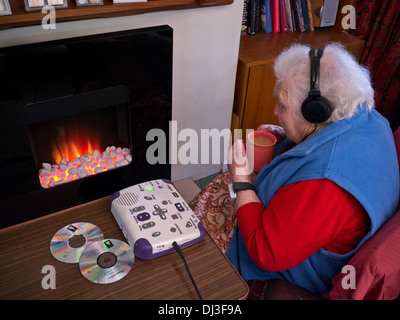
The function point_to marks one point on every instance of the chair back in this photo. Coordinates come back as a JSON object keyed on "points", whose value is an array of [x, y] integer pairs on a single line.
{"points": [[376, 265]]}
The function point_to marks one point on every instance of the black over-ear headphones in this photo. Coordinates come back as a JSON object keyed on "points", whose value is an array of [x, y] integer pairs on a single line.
{"points": [[316, 108]]}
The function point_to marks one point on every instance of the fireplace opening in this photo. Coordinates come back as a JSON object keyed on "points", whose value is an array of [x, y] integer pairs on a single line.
{"points": [[79, 136], [67, 72]]}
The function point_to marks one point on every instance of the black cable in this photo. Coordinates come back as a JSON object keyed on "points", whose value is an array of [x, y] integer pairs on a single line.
{"points": [[178, 249], [315, 128]]}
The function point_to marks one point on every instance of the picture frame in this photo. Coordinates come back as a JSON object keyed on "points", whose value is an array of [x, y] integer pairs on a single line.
{"points": [[85, 3], [32, 5], [5, 8]]}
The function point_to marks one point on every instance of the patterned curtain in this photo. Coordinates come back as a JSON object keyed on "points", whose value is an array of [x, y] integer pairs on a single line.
{"points": [[378, 23]]}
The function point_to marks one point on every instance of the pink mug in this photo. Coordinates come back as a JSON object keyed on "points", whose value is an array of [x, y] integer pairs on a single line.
{"points": [[260, 148]]}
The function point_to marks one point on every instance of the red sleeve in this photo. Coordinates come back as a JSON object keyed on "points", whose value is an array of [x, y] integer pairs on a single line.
{"points": [[301, 218]]}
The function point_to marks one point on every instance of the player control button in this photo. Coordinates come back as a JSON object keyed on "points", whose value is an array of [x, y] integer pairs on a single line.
{"points": [[179, 207], [148, 225], [143, 216], [160, 212], [189, 224], [137, 209]]}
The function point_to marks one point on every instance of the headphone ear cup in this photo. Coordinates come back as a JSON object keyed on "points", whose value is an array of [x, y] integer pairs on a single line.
{"points": [[316, 109]]}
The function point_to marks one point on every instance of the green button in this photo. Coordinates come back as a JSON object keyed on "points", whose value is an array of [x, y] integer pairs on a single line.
{"points": [[149, 188]]}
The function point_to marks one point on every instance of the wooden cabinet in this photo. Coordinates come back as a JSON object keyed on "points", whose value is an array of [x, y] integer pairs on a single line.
{"points": [[254, 104]]}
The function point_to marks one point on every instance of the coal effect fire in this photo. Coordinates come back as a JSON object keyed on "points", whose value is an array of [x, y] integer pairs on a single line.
{"points": [[66, 170]]}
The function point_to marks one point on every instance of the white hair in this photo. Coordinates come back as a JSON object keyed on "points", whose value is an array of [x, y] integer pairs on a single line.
{"points": [[343, 81]]}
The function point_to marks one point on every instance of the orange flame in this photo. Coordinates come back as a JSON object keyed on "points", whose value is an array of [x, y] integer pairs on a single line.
{"points": [[71, 150]]}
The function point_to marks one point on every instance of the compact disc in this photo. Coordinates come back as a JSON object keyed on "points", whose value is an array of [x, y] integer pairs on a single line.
{"points": [[69, 242], [106, 261]]}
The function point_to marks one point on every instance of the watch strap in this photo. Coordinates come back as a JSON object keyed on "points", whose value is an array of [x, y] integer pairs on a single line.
{"points": [[242, 186]]}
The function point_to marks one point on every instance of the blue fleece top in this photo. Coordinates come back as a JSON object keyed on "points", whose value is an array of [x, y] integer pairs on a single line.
{"points": [[359, 155]]}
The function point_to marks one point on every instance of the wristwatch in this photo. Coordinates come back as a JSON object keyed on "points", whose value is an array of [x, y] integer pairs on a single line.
{"points": [[237, 187]]}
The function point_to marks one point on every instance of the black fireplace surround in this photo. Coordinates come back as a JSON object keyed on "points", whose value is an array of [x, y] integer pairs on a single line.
{"points": [[128, 71]]}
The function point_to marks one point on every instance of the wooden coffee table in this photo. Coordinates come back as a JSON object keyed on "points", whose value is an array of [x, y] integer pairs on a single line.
{"points": [[24, 251]]}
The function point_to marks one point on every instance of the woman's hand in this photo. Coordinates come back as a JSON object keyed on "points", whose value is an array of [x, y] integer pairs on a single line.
{"points": [[240, 172], [277, 131], [238, 164]]}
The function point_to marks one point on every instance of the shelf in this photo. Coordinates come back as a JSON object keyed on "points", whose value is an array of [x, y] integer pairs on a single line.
{"points": [[21, 18], [264, 47]]}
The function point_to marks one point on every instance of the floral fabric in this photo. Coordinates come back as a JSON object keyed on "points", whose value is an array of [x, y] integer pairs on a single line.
{"points": [[214, 209]]}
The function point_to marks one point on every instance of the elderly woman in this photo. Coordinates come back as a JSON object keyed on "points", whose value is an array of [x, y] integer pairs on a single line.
{"points": [[337, 182]]}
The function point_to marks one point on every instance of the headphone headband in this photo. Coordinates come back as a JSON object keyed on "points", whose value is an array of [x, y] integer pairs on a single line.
{"points": [[315, 56]]}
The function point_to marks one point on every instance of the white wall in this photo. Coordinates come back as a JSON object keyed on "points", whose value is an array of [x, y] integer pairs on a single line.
{"points": [[206, 43]]}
